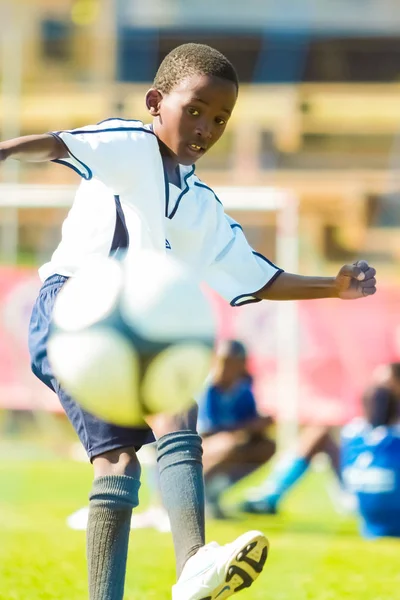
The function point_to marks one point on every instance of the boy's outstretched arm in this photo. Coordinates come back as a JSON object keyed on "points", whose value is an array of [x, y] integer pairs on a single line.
{"points": [[33, 148], [352, 282]]}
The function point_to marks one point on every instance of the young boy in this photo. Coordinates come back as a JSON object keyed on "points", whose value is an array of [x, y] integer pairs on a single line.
{"points": [[159, 202]]}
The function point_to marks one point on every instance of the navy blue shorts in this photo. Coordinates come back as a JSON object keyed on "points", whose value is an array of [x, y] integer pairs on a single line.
{"points": [[96, 435]]}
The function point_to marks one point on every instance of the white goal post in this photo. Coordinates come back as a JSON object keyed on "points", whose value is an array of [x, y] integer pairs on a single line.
{"points": [[286, 206], [264, 199]]}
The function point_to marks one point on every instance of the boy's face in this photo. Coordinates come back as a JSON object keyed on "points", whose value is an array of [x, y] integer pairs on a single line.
{"points": [[193, 116]]}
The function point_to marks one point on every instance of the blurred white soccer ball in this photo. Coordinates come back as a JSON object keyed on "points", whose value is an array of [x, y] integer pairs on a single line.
{"points": [[132, 338]]}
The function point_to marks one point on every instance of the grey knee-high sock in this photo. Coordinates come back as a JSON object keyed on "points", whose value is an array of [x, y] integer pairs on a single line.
{"points": [[179, 457], [111, 501]]}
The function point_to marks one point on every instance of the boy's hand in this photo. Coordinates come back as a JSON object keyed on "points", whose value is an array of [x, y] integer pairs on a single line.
{"points": [[356, 281]]}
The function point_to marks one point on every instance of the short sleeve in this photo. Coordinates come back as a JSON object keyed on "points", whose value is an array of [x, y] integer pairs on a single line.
{"points": [[237, 271], [113, 152]]}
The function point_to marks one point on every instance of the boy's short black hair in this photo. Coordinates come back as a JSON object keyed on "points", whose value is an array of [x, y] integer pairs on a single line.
{"points": [[193, 59]]}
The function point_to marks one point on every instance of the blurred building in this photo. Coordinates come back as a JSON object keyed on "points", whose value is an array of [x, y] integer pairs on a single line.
{"points": [[318, 111]]}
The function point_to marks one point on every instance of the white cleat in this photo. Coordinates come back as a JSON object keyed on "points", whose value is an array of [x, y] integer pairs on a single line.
{"points": [[216, 572]]}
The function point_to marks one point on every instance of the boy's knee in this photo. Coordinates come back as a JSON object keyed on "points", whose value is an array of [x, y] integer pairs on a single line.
{"points": [[164, 424], [122, 461]]}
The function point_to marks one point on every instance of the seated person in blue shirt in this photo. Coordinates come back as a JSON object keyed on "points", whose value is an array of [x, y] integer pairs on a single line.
{"points": [[235, 442], [370, 457]]}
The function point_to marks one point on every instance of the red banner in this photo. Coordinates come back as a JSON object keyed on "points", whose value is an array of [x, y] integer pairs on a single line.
{"points": [[19, 388], [340, 343]]}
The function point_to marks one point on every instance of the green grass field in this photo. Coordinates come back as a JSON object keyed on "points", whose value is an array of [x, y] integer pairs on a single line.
{"points": [[315, 554]]}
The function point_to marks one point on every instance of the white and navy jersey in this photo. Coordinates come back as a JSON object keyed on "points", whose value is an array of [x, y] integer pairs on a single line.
{"points": [[370, 458], [127, 203]]}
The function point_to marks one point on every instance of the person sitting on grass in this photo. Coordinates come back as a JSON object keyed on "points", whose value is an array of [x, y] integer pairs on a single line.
{"points": [[370, 457], [235, 440], [290, 469]]}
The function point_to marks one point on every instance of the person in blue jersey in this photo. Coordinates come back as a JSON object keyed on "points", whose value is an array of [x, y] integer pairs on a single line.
{"points": [[235, 440], [141, 191], [370, 457], [313, 440]]}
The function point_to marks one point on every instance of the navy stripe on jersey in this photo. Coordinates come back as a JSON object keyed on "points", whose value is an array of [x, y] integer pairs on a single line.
{"points": [[166, 183], [233, 225], [86, 172], [264, 258], [185, 179], [109, 130], [249, 298], [244, 299], [203, 185], [120, 240], [82, 173]]}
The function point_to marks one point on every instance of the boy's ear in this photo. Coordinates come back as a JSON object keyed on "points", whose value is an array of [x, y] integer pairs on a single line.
{"points": [[153, 101]]}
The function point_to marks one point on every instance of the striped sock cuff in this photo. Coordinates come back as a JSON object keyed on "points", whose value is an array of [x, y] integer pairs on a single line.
{"points": [[115, 489], [179, 447]]}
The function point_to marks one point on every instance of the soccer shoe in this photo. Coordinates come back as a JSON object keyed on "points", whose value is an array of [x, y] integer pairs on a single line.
{"points": [[261, 506], [216, 572], [215, 511]]}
